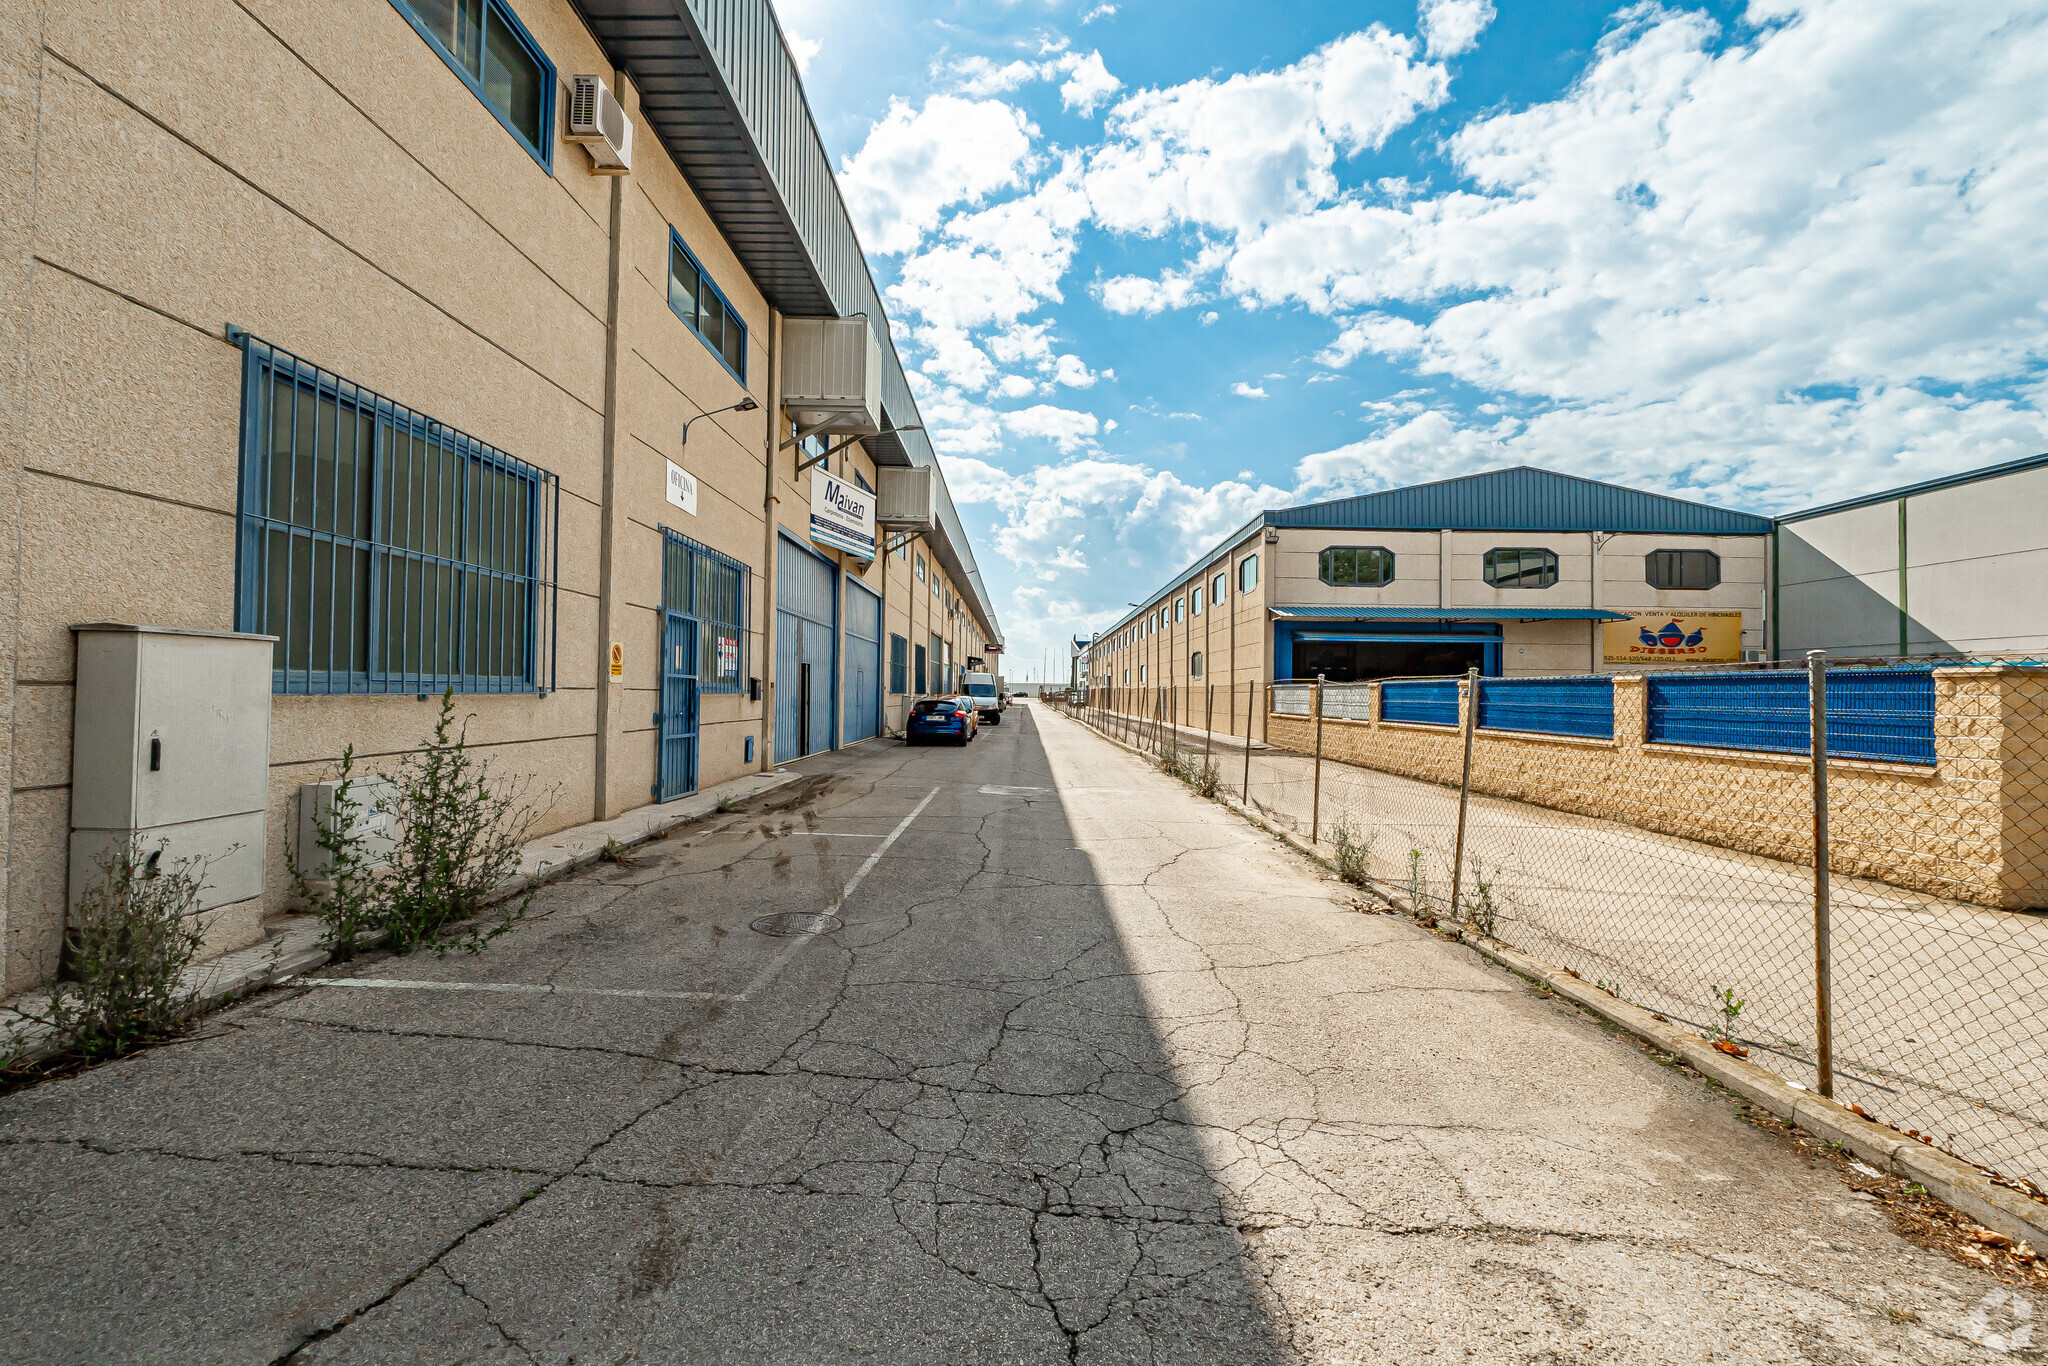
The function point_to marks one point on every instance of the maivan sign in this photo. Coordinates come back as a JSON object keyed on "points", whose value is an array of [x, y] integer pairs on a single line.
{"points": [[842, 515]]}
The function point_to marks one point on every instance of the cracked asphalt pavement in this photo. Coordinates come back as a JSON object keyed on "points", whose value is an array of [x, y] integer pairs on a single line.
{"points": [[1086, 1069]]}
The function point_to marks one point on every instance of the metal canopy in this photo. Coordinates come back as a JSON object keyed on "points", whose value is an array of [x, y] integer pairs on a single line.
{"points": [[719, 88]]}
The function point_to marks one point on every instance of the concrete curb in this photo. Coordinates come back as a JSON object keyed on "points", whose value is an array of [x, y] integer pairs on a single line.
{"points": [[1952, 1180], [295, 948]]}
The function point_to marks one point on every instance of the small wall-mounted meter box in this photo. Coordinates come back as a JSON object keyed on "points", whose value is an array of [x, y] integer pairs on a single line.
{"points": [[170, 745]]}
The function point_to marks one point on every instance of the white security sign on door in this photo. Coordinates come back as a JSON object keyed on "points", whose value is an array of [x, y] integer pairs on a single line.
{"points": [[842, 515], [682, 488]]}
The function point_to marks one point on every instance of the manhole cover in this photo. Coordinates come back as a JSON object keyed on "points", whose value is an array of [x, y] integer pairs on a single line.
{"points": [[797, 922]]}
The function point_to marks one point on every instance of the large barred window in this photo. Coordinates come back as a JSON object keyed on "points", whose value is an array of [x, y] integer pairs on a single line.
{"points": [[386, 551]]}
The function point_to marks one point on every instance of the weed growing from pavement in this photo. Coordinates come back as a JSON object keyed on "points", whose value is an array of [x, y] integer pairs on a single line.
{"points": [[134, 930], [343, 891], [458, 834], [614, 851], [1354, 854], [1418, 885], [1482, 910], [728, 805], [1730, 1011]]}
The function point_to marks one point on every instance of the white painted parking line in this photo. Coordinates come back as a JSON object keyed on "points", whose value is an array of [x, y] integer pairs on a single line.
{"points": [[761, 979], [523, 988], [781, 960]]}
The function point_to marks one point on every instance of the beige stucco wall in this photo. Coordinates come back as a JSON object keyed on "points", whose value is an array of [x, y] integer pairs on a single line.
{"points": [[1971, 828], [379, 222]]}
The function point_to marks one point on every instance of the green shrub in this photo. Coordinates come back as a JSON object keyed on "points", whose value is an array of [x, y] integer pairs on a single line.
{"points": [[345, 894], [1354, 854], [133, 933], [457, 836]]}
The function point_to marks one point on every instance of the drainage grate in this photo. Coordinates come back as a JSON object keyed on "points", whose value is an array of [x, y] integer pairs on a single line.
{"points": [[790, 923]]}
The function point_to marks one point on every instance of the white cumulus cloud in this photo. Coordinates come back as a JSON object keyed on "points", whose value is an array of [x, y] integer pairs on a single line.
{"points": [[1452, 27], [1245, 390], [917, 162]]}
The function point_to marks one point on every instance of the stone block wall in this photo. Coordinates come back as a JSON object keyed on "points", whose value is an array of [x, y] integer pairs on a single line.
{"points": [[1973, 827]]}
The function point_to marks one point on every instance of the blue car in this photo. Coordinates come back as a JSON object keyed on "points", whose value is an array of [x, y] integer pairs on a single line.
{"points": [[941, 718]]}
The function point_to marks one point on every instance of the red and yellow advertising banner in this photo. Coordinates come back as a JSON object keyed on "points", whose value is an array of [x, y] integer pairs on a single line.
{"points": [[1681, 638]]}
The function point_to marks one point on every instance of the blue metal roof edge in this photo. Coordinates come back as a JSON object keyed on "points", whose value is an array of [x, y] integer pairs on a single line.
{"points": [[1948, 481], [1693, 519]]}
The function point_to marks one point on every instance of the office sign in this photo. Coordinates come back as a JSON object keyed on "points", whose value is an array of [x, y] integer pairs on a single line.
{"points": [[682, 488], [1674, 638], [842, 515]]}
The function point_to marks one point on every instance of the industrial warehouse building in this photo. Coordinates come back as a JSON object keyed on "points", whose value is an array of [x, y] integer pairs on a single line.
{"points": [[1953, 566], [1516, 571], [521, 347]]}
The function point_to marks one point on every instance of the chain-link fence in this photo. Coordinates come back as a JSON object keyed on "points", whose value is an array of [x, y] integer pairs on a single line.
{"points": [[1656, 836]]}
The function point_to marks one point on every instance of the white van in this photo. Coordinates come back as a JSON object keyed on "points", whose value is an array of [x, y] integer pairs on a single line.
{"points": [[987, 695]]}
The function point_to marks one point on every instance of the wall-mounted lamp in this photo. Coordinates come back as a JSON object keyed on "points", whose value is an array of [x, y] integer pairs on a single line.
{"points": [[745, 405]]}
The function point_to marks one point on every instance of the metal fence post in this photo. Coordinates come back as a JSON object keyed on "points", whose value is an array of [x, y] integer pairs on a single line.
{"points": [[1209, 728], [1823, 993], [1464, 785], [1315, 808], [1251, 698]]}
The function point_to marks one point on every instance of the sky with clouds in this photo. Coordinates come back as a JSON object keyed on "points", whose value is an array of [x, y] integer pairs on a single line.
{"points": [[1155, 266]]}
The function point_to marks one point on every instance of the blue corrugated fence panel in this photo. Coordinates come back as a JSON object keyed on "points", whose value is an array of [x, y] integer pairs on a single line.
{"points": [[1548, 706], [1872, 713], [1425, 701]]}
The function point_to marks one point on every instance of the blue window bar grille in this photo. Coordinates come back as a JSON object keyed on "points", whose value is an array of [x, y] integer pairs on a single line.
{"points": [[386, 551], [1422, 701], [1548, 706], [1883, 714], [712, 587]]}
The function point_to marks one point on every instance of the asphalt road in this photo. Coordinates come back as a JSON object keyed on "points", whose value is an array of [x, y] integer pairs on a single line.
{"points": [[1082, 1069]]}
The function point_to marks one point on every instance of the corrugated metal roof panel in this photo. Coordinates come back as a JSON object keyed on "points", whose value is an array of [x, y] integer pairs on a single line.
{"points": [[719, 87], [1521, 499]]}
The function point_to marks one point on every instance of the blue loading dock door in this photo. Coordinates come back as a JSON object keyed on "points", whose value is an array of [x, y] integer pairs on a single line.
{"points": [[806, 681], [863, 664]]}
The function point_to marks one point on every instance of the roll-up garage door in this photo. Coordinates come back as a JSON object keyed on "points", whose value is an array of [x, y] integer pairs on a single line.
{"points": [[863, 664], [806, 683]]}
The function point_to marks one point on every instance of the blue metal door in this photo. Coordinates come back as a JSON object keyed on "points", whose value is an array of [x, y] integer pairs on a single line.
{"points": [[676, 774], [863, 664]]}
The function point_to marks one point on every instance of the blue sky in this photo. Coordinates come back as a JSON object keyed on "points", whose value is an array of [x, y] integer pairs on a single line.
{"points": [[1155, 266]]}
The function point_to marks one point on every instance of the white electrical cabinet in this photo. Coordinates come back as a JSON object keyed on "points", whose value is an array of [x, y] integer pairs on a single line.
{"points": [[170, 744], [832, 376]]}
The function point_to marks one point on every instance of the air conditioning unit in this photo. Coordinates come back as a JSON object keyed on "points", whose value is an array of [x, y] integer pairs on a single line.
{"points": [[832, 376], [598, 121], [904, 500]]}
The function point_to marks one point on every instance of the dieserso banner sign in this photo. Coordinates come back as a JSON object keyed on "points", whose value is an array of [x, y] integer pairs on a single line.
{"points": [[842, 515], [1665, 638]]}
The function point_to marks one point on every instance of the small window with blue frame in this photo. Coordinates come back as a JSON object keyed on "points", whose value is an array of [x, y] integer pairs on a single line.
{"points": [[486, 45], [701, 304]]}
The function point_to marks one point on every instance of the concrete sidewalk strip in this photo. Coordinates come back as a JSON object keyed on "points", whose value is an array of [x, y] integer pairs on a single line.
{"points": [[292, 944]]}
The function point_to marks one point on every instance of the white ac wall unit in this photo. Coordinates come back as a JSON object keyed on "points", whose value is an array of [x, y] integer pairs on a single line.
{"points": [[904, 498], [832, 376], [599, 122]]}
